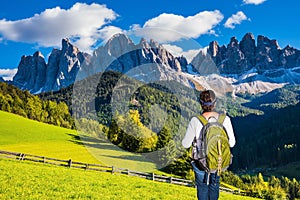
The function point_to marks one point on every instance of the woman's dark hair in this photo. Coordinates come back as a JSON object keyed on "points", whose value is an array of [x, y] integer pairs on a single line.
{"points": [[207, 100]]}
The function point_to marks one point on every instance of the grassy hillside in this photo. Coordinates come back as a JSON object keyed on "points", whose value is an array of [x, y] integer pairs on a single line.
{"points": [[22, 180], [27, 136], [19, 180], [22, 135]]}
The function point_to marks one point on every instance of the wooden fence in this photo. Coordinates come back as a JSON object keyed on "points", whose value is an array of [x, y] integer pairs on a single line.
{"points": [[102, 168]]}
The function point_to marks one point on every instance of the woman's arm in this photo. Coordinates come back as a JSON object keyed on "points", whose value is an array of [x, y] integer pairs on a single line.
{"points": [[193, 130], [228, 126]]}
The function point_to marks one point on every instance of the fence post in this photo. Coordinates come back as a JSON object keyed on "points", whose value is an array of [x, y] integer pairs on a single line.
{"points": [[21, 156], [70, 163], [171, 180], [153, 176], [86, 166], [112, 169]]}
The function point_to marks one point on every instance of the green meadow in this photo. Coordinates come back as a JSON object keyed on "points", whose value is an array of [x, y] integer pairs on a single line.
{"points": [[22, 135], [25, 180]]}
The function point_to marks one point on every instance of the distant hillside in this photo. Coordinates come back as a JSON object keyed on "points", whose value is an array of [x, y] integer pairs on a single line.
{"points": [[269, 140], [279, 98]]}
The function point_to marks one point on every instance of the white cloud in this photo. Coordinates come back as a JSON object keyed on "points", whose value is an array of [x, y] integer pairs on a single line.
{"points": [[255, 2], [171, 27], [178, 51], [8, 74], [82, 22], [235, 19]]}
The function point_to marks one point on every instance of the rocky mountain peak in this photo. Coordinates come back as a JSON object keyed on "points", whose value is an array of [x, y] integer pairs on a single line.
{"points": [[65, 42], [38, 54], [122, 55], [68, 48], [214, 48], [31, 74], [118, 45], [154, 44], [247, 46], [144, 44], [122, 38], [248, 42], [36, 76], [267, 53], [290, 49], [233, 42], [242, 56], [149, 61], [118, 54], [263, 41], [248, 36]]}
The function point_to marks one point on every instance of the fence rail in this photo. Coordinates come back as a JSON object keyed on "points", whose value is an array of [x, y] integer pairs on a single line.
{"points": [[102, 168]]}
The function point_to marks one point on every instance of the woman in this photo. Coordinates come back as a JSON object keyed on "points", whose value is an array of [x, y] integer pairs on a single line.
{"points": [[207, 184]]}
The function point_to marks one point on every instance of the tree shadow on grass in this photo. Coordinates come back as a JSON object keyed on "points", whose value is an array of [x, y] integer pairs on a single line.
{"points": [[84, 139], [75, 139], [130, 158], [93, 142], [114, 152]]}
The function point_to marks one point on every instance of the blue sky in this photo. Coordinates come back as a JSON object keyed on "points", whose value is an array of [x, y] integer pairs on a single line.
{"points": [[29, 25]]}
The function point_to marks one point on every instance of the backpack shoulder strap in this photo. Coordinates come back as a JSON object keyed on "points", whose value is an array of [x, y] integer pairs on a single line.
{"points": [[221, 118], [204, 122], [202, 119]]}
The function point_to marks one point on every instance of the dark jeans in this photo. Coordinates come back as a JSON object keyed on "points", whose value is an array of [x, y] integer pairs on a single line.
{"points": [[206, 189]]}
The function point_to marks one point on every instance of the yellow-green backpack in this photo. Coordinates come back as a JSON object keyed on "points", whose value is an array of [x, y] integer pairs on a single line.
{"points": [[211, 151]]}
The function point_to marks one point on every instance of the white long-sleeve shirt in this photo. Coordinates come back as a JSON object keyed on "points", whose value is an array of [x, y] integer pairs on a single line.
{"points": [[194, 129]]}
